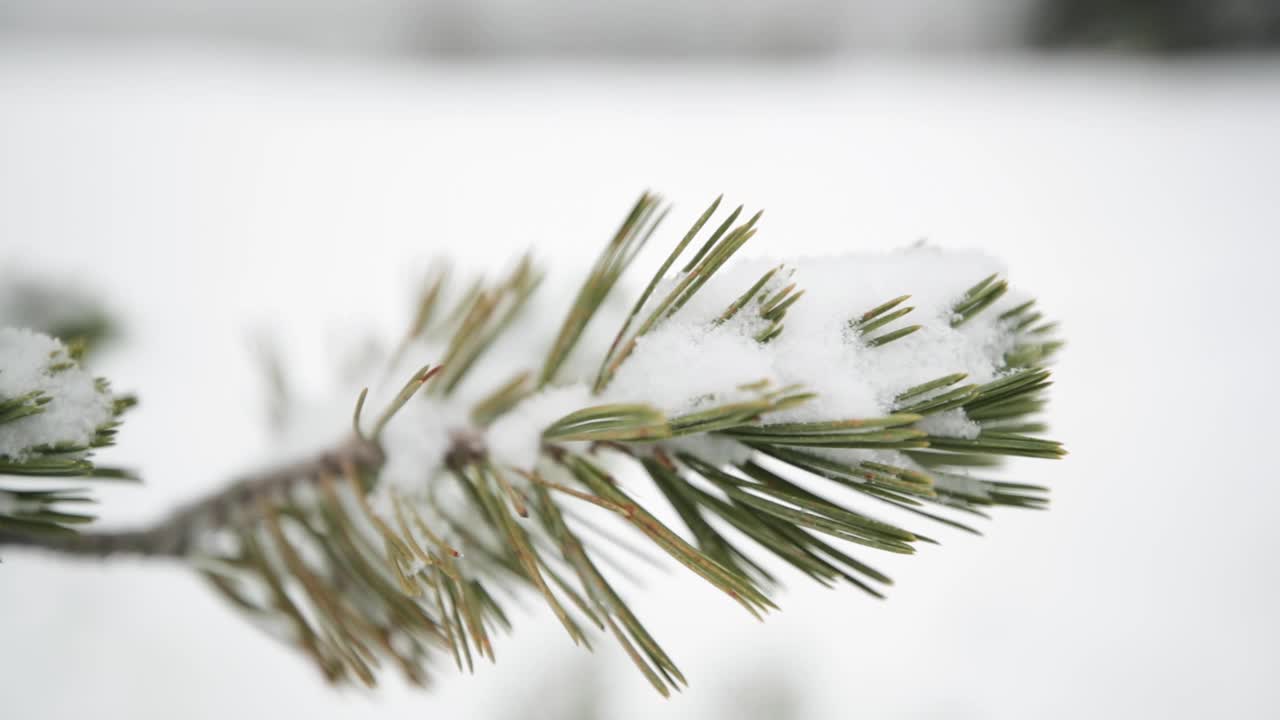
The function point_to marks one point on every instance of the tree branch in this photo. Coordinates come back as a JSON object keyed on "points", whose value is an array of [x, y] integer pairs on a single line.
{"points": [[170, 537]]}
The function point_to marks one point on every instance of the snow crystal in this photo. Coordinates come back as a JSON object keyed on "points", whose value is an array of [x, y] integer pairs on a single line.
{"points": [[76, 407], [952, 423], [416, 442], [712, 449], [958, 482], [677, 367], [688, 356], [516, 437]]}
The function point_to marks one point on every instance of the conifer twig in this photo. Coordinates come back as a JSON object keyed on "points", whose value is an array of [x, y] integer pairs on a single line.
{"points": [[766, 404], [170, 536]]}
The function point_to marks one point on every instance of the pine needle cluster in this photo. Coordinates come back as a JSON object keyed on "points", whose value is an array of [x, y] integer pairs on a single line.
{"points": [[360, 574]]}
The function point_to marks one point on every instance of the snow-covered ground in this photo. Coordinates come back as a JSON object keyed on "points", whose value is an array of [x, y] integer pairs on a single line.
{"points": [[213, 199]]}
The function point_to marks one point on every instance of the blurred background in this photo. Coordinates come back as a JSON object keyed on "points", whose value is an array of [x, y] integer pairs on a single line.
{"points": [[220, 172]]}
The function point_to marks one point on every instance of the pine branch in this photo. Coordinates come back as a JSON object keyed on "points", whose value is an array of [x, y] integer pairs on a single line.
{"points": [[53, 417], [170, 537], [482, 476]]}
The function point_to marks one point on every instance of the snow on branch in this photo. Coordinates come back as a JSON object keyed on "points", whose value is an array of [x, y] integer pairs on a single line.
{"points": [[53, 415], [738, 416]]}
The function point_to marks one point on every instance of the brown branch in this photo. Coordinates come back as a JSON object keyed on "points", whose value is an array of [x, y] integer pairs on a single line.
{"points": [[171, 537]]}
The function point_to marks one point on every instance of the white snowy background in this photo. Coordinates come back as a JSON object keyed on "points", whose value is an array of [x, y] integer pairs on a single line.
{"points": [[213, 197]]}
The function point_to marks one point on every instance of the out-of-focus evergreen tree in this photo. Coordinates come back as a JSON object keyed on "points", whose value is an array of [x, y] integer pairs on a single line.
{"points": [[1169, 26]]}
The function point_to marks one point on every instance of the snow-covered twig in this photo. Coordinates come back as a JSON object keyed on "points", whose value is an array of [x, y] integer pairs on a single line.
{"points": [[759, 400], [53, 415]]}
